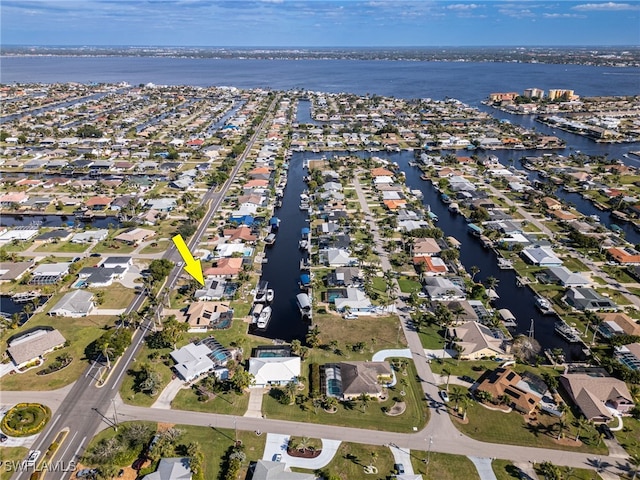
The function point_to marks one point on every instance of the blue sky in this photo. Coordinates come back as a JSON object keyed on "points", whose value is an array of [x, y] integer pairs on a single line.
{"points": [[284, 23]]}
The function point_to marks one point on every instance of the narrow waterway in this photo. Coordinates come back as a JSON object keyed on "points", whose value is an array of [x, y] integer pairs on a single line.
{"points": [[282, 269]]}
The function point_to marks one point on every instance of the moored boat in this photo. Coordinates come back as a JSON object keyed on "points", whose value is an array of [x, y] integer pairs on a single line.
{"points": [[264, 317], [567, 332], [544, 305], [304, 305]]}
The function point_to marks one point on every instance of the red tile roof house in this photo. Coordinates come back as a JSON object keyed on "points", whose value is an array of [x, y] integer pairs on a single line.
{"points": [[13, 198], [624, 256], [381, 172], [241, 234], [226, 267], [98, 203], [431, 266]]}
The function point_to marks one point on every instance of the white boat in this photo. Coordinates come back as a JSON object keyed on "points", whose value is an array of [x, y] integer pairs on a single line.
{"points": [[264, 317], [270, 295], [504, 264], [270, 239], [303, 244], [543, 305]]}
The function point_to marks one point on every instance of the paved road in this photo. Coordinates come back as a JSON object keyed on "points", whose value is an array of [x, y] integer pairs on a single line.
{"points": [[88, 408]]}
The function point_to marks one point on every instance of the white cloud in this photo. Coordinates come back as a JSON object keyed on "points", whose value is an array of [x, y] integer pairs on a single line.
{"points": [[606, 6], [462, 6], [562, 15]]}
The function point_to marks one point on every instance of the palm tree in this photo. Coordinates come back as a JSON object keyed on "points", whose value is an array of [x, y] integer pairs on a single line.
{"points": [[562, 423], [447, 372], [474, 271], [582, 423], [491, 282], [457, 395], [364, 401], [466, 402], [106, 350], [634, 460]]}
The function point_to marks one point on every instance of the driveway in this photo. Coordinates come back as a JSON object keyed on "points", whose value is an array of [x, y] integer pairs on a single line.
{"points": [[402, 456], [168, 394], [129, 278], [384, 354], [255, 402], [5, 368], [276, 443], [483, 465]]}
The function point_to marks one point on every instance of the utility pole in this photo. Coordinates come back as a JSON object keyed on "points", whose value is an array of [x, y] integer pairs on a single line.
{"points": [[428, 455], [115, 414]]}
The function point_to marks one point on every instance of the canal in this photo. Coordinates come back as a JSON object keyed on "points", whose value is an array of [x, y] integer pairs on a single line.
{"points": [[282, 269]]}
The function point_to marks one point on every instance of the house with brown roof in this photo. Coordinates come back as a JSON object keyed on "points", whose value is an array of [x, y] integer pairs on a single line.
{"points": [[98, 203], [624, 322], [225, 267], [504, 382], [238, 235], [425, 247], [381, 172], [207, 314], [430, 265], [596, 396], [394, 205], [135, 236], [552, 203]]}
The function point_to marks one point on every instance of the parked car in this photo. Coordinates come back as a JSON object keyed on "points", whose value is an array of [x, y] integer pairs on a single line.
{"points": [[467, 378], [277, 457], [399, 468], [444, 395], [87, 473], [3, 438], [606, 431]]}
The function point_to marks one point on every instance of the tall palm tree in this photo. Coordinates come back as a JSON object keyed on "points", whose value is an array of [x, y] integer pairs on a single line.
{"points": [[582, 423], [447, 372], [364, 401], [474, 271]]}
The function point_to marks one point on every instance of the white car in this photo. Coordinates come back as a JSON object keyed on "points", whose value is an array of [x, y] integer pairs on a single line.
{"points": [[445, 396], [32, 458], [277, 457]]}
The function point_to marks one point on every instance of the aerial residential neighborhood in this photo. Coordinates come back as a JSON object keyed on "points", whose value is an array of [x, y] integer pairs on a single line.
{"points": [[220, 282]]}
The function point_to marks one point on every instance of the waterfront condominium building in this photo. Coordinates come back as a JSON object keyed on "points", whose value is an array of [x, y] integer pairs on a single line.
{"points": [[533, 93]]}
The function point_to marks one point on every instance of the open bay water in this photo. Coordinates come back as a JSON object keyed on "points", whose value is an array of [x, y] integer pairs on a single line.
{"points": [[469, 82]]}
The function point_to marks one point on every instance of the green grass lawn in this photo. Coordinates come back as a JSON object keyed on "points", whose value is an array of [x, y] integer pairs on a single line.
{"points": [[430, 337], [63, 247], [351, 458], [80, 332], [10, 455], [157, 246], [226, 403], [213, 442], [128, 391], [511, 428], [443, 466], [353, 415], [113, 247], [574, 264], [115, 296], [407, 285], [505, 470], [629, 436]]}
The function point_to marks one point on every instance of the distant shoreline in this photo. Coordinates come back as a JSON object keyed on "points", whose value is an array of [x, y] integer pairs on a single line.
{"points": [[624, 56]]}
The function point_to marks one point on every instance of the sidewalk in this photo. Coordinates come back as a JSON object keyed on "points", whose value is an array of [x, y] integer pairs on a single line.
{"points": [[483, 465]]}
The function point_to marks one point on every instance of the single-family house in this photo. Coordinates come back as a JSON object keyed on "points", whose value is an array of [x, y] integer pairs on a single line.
{"points": [[13, 270], [629, 355], [204, 315], [192, 360], [477, 341], [430, 266], [440, 288], [225, 267], [425, 247], [625, 255], [624, 322], [135, 236], [173, 468], [356, 301], [504, 382], [98, 203], [349, 380], [541, 256], [34, 345], [213, 290], [49, 273], [338, 257], [78, 303], [566, 277], [90, 236], [595, 396], [269, 371], [585, 298], [268, 470]]}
